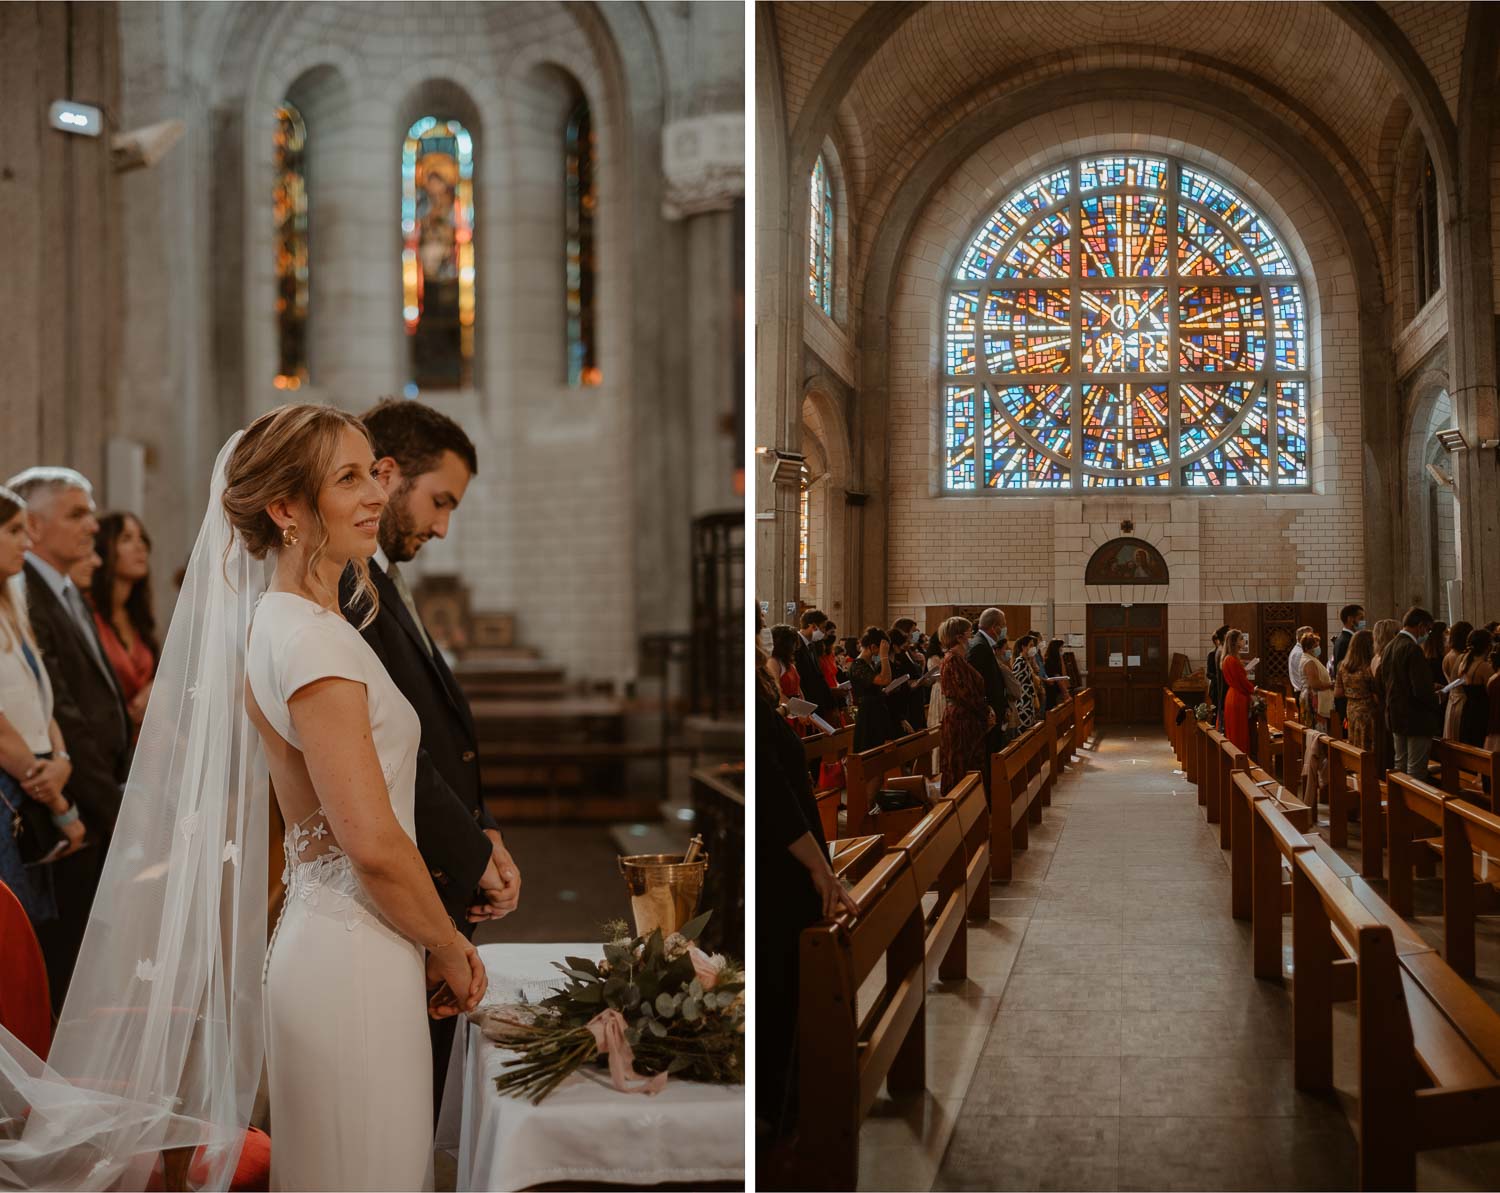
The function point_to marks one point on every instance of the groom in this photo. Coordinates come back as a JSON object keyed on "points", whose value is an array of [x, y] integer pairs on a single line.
{"points": [[425, 461]]}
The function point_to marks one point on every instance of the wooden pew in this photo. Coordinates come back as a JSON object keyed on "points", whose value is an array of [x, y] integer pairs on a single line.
{"points": [[1468, 772], [829, 747], [1471, 873], [1246, 787], [1414, 833], [847, 1055], [864, 773], [1275, 834], [1429, 1046], [1020, 781], [1353, 781], [1059, 742], [1268, 739], [1083, 717], [973, 811], [1293, 745], [854, 857], [935, 850]]}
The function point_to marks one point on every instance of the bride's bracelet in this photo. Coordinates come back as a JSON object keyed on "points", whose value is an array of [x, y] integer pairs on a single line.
{"points": [[440, 947]]}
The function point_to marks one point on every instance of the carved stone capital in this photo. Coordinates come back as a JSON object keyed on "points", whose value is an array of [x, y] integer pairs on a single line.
{"points": [[703, 161]]}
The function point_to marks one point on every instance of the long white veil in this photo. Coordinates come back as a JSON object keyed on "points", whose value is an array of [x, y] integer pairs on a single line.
{"points": [[161, 1039]]}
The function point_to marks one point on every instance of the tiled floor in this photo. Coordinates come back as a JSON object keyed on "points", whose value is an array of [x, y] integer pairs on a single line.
{"points": [[1110, 1034]]}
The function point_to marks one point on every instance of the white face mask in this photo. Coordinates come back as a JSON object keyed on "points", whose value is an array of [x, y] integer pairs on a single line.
{"points": [[817, 635]]}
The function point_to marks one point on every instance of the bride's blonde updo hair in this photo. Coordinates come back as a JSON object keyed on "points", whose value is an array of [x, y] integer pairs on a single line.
{"points": [[286, 454]]}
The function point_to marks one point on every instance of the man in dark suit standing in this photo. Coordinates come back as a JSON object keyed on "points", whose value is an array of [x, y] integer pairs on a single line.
{"points": [[982, 657], [814, 687], [425, 461], [1412, 709], [87, 703]]}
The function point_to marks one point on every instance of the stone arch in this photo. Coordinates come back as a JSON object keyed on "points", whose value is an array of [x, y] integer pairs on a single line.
{"points": [[1126, 560], [1410, 158], [1298, 190]]}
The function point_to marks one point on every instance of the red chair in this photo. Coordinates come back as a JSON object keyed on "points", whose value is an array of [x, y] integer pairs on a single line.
{"points": [[251, 1175], [25, 1002]]}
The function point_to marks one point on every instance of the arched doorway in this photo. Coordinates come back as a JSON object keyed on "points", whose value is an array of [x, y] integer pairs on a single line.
{"points": [[1127, 641]]}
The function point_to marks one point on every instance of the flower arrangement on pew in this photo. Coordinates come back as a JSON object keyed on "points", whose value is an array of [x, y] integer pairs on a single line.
{"points": [[652, 1007], [1204, 712]]}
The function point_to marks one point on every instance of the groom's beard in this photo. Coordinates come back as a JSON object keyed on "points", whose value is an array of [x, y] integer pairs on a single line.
{"points": [[398, 529]]}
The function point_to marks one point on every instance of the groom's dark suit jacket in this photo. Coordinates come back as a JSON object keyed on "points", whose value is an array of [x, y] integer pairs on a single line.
{"points": [[450, 814], [87, 705]]}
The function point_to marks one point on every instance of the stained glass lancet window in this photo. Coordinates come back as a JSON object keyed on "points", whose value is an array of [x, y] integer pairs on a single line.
{"points": [[583, 360], [804, 529], [1124, 321], [437, 257], [289, 211], [820, 237]]}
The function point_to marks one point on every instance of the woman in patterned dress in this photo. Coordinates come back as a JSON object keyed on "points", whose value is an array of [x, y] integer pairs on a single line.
{"points": [[1357, 685], [1027, 706], [967, 715]]}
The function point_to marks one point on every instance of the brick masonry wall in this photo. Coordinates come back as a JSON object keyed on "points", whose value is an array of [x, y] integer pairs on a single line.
{"points": [[1219, 548]]}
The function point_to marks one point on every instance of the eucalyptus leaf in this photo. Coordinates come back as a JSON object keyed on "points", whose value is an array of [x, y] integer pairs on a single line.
{"points": [[666, 1006], [590, 994], [632, 1036], [692, 1010], [658, 1029], [694, 926], [631, 998], [679, 1062], [584, 964], [695, 989]]}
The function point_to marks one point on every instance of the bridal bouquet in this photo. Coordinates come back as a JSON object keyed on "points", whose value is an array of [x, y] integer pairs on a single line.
{"points": [[649, 1008]]}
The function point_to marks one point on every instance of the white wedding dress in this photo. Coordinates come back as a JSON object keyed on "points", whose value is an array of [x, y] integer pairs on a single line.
{"points": [[348, 1057]]}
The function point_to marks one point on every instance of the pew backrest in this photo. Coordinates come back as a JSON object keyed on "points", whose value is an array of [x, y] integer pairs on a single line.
{"points": [[1468, 771], [864, 773], [854, 857]]}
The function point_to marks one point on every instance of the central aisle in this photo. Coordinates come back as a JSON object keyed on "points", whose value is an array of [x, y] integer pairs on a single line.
{"points": [[1132, 1048]]}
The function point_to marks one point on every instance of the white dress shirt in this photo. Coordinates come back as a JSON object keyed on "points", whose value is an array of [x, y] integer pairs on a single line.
{"points": [[1294, 667], [25, 697]]}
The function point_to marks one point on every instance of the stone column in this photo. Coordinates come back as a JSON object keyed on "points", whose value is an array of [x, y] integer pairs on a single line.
{"points": [[703, 161], [1471, 341]]}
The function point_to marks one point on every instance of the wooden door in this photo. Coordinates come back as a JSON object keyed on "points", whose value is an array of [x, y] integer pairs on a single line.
{"points": [[1270, 627], [1127, 662]]}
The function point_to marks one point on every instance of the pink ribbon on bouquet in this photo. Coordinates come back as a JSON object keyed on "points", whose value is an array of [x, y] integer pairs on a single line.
{"points": [[608, 1030]]}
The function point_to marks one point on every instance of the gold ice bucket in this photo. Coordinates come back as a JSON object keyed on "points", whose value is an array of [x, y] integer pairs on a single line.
{"points": [[663, 889]]}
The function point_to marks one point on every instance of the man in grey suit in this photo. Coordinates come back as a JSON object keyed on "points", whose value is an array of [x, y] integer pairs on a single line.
{"points": [[1412, 710], [87, 702]]}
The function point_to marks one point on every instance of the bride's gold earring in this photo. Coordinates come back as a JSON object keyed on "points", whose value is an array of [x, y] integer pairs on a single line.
{"points": [[289, 535]]}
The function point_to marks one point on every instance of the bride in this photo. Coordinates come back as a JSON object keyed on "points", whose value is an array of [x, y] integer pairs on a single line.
{"points": [[178, 995]]}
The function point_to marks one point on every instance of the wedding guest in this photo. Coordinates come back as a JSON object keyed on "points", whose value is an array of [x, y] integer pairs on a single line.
{"points": [[1467, 715], [424, 461], [1005, 656], [87, 703], [121, 597], [1356, 685], [814, 686], [1492, 694], [780, 666], [1385, 633], [1218, 691], [873, 723], [905, 702], [82, 573], [1316, 706], [967, 713], [34, 765], [796, 888], [1027, 705], [1352, 619], [1054, 674], [981, 657], [1294, 673], [1458, 642], [1434, 649], [1411, 704], [1211, 668], [1238, 692]]}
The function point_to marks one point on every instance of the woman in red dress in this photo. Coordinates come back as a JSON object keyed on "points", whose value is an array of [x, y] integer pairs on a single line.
{"points": [[968, 715], [783, 670], [1238, 692], [120, 593]]}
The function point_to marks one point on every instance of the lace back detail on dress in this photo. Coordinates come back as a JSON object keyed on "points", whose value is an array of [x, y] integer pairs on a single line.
{"points": [[319, 873]]}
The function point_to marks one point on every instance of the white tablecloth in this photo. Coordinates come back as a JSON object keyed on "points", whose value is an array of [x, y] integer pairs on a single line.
{"points": [[586, 1131]]}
